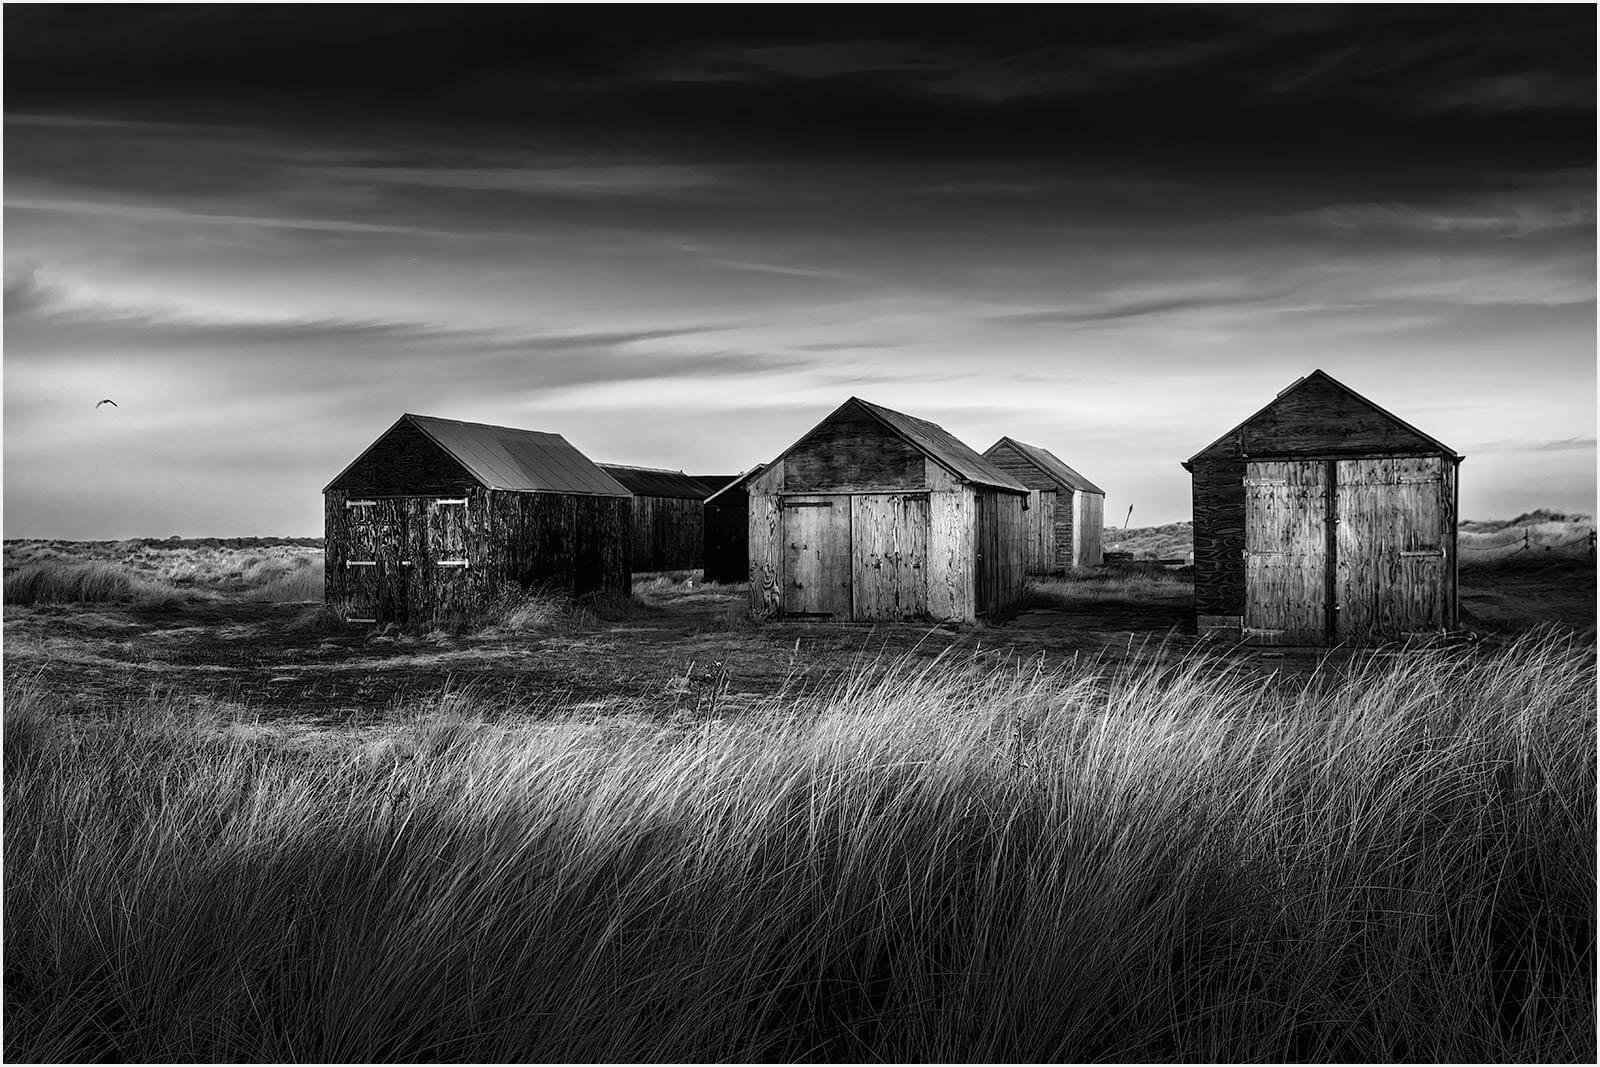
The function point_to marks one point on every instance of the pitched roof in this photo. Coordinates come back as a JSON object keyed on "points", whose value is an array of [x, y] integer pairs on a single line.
{"points": [[1322, 377], [942, 446], [653, 481], [716, 482], [502, 457], [1050, 465], [738, 481]]}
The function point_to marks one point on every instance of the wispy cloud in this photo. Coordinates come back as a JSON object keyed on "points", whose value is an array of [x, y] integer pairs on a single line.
{"points": [[582, 180], [1527, 444], [153, 213]]}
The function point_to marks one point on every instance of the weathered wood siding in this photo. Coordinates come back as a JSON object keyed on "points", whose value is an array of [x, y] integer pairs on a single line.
{"points": [[424, 559], [1039, 532], [726, 556], [1395, 556], [1286, 552], [853, 452], [1317, 417], [406, 462], [1000, 558], [952, 529], [1020, 467], [668, 533], [1088, 525], [765, 539], [1218, 492], [815, 534], [890, 555], [1365, 551]]}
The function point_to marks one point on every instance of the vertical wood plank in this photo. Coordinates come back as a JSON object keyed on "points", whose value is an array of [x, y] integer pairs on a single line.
{"points": [[951, 519], [815, 531], [764, 534], [1286, 552], [889, 556]]}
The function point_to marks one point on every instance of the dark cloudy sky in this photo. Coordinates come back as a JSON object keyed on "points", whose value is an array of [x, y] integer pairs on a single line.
{"points": [[680, 236]]}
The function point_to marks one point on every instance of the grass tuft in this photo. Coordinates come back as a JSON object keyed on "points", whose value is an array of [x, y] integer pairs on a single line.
{"points": [[55, 582]]}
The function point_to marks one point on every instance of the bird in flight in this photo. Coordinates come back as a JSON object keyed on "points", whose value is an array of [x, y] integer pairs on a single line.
{"points": [[107, 400]]}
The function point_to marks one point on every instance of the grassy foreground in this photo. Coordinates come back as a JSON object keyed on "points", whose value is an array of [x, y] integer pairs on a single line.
{"points": [[932, 863]]}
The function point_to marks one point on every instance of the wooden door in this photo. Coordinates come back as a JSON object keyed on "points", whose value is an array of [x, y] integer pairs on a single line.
{"points": [[889, 556], [1393, 563], [377, 574], [361, 564], [815, 533], [1286, 552]]}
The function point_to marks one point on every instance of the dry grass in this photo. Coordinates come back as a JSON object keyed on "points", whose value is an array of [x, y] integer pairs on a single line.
{"points": [[1129, 583], [52, 582], [1539, 535], [146, 572], [936, 862]]}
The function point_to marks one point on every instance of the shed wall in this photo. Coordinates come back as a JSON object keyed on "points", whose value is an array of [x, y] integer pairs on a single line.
{"points": [[1087, 528], [668, 533], [1317, 417], [726, 554], [1001, 553], [853, 452], [406, 462], [389, 560]]}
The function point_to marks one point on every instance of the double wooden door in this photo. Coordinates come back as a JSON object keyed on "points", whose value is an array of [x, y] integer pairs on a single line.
{"points": [[1347, 550], [407, 556], [861, 556]]}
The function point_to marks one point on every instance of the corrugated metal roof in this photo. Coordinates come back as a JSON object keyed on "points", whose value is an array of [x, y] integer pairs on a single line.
{"points": [[944, 447], [1048, 462], [653, 481], [523, 461]]}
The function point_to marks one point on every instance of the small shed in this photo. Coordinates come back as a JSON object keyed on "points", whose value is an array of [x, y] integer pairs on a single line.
{"points": [[1324, 519], [438, 518], [877, 515], [668, 533], [1065, 509], [727, 541]]}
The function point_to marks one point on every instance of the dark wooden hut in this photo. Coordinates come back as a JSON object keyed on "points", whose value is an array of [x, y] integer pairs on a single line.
{"points": [[1065, 509], [438, 518], [1324, 519], [668, 531], [727, 541], [877, 515]]}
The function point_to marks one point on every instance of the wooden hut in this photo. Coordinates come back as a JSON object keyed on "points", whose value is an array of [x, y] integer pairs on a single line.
{"points": [[1065, 509], [1323, 519], [438, 518], [877, 515], [727, 537], [668, 532]]}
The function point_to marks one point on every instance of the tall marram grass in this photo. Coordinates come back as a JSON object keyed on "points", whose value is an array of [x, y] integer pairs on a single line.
{"points": [[932, 863], [56, 582]]}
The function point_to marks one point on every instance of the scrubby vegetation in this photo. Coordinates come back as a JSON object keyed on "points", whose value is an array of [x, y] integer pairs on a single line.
{"points": [[1127, 581], [148, 572], [934, 861], [99, 582]]}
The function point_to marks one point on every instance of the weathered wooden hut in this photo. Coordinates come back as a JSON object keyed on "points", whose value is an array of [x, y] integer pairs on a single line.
{"points": [[668, 531], [1065, 509], [438, 518], [727, 518], [877, 515], [1323, 519]]}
